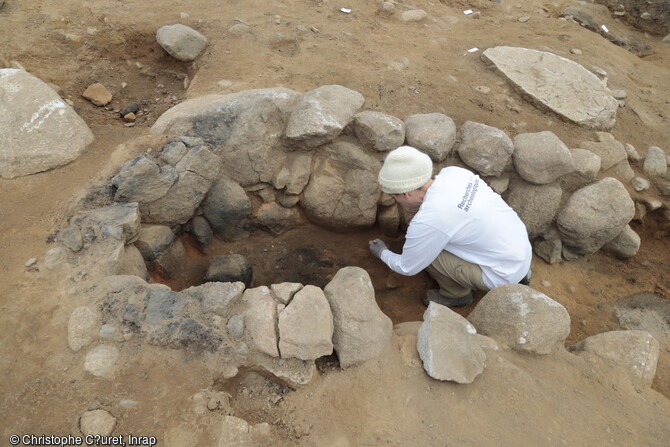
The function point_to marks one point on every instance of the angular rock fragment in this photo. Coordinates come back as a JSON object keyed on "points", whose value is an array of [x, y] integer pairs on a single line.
{"points": [[448, 346], [362, 331], [321, 115]]}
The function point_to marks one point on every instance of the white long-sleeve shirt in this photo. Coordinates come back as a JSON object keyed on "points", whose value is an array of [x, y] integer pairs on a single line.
{"points": [[461, 214]]}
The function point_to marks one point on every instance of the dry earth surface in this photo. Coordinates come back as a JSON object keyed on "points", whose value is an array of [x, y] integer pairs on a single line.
{"points": [[519, 400]]}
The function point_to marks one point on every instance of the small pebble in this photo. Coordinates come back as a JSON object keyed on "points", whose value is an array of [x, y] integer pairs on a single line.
{"points": [[131, 107], [30, 262], [546, 283], [576, 51], [388, 7], [107, 331], [640, 184], [524, 19], [619, 94]]}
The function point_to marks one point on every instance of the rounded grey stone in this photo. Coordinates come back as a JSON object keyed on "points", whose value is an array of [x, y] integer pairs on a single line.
{"points": [[97, 422]]}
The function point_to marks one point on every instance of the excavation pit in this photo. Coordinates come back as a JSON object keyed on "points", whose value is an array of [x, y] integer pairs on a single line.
{"points": [[308, 254]]}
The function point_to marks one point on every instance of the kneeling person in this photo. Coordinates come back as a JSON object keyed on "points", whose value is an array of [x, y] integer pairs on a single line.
{"points": [[463, 234]]}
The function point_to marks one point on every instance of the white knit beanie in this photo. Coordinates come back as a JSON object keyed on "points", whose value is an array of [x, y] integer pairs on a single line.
{"points": [[405, 169]]}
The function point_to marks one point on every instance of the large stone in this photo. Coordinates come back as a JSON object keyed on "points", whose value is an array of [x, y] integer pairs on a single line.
{"points": [[260, 320], [230, 268], [636, 351], [362, 331], [379, 131], [244, 129], [285, 291], [548, 246], [321, 114], [197, 170], [613, 156], [294, 175], [306, 326], [625, 245], [225, 207], [621, 171], [343, 191], [557, 84], [71, 237], [610, 151], [522, 319], [461, 359], [121, 221], [594, 215], [216, 297], [178, 205], [541, 157], [164, 304], [655, 162], [587, 166], [170, 263], [276, 219], [173, 152], [432, 133], [153, 240], [200, 160], [485, 149], [133, 263], [201, 230], [38, 130], [181, 42], [536, 205], [143, 180], [82, 327]]}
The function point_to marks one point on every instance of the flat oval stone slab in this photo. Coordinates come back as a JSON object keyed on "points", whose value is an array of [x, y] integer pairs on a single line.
{"points": [[556, 83]]}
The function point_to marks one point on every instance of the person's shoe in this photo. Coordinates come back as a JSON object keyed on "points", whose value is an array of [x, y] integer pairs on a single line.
{"points": [[435, 296], [526, 279]]}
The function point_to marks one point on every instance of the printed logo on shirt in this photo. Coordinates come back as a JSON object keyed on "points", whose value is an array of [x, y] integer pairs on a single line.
{"points": [[469, 196]]}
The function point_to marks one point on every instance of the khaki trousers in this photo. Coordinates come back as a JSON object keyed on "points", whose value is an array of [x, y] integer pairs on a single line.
{"points": [[455, 276]]}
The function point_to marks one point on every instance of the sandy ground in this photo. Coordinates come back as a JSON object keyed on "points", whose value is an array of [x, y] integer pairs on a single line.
{"points": [[520, 400]]}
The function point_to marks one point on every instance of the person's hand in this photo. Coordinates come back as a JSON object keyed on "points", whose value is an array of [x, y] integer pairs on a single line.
{"points": [[377, 247]]}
